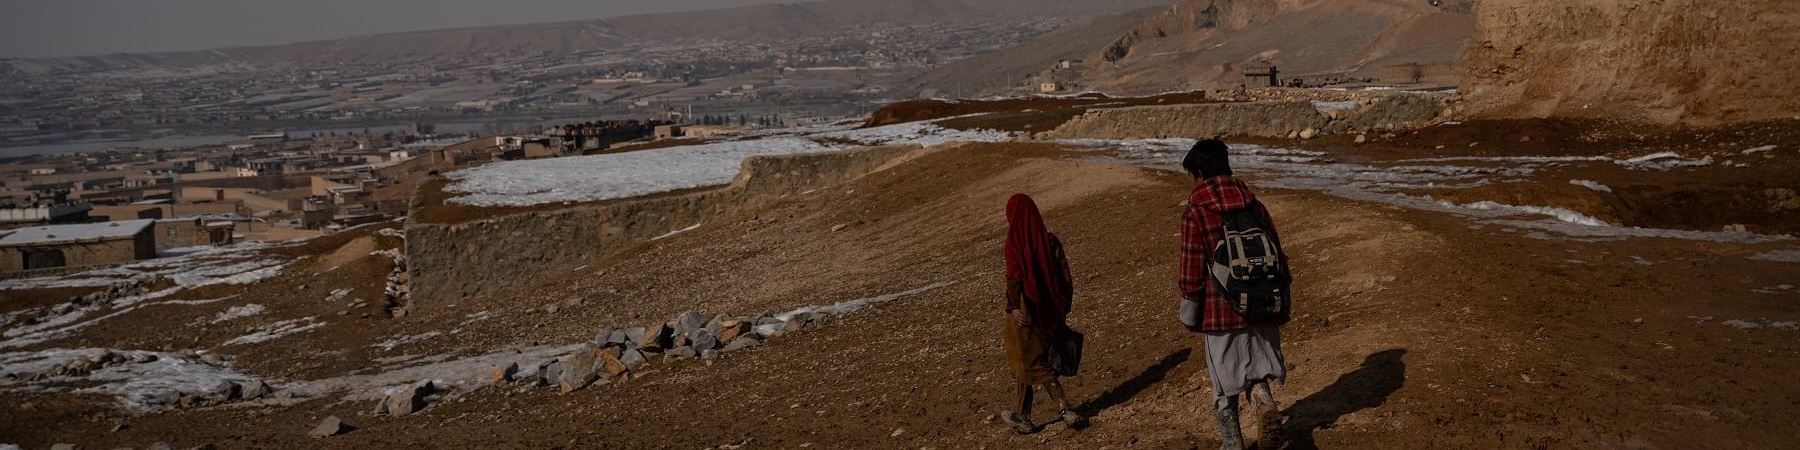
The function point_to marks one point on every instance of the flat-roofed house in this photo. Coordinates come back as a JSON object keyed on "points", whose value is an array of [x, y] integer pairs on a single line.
{"points": [[77, 245]]}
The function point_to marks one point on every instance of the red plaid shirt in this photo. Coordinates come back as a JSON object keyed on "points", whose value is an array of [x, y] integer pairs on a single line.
{"points": [[1201, 229]]}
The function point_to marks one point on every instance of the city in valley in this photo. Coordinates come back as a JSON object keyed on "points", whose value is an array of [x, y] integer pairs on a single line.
{"points": [[922, 224]]}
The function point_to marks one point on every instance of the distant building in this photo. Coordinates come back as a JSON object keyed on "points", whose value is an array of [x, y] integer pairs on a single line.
{"points": [[77, 245], [194, 232], [668, 131], [1049, 87]]}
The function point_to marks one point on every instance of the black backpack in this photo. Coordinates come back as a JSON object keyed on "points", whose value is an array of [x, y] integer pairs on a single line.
{"points": [[1249, 268]]}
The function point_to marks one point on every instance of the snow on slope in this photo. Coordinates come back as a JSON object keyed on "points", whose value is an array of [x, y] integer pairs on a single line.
{"points": [[621, 175]]}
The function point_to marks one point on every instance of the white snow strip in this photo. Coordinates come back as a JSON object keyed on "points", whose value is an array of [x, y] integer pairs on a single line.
{"points": [[277, 330], [676, 232], [1741, 325], [236, 312], [1760, 149], [390, 344], [1787, 256], [1559, 213], [613, 176], [1594, 185], [850, 306], [1664, 161], [1328, 107], [137, 385], [927, 134]]}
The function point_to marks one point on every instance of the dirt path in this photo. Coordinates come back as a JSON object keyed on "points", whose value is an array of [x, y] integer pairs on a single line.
{"points": [[1416, 329]]}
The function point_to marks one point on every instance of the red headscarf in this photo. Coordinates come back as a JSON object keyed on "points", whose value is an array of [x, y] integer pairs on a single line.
{"points": [[1034, 257]]}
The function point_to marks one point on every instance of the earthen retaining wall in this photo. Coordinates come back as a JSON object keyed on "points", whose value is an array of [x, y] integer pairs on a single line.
{"points": [[1264, 118]]}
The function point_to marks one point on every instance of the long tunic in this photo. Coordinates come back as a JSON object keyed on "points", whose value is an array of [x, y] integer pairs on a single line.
{"points": [[1028, 349], [1238, 357]]}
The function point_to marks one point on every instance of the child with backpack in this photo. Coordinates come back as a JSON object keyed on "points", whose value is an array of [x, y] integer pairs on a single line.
{"points": [[1234, 289]]}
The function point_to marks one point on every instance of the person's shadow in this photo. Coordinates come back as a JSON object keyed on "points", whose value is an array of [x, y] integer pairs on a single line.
{"points": [[1122, 393], [1368, 386]]}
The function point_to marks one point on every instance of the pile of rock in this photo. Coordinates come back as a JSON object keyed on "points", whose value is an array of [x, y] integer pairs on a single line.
{"points": [[124, 289], [615, 354], [399, 284], [226, 391]]}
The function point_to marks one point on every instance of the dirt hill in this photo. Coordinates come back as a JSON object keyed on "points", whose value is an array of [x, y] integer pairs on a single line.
{"points": [[998, 72], [1207, 43], [759, 23], [1688, 61]]}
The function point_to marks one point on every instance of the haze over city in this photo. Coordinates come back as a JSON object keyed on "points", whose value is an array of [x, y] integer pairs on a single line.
{"points": [[899, 224], [36, 28]]}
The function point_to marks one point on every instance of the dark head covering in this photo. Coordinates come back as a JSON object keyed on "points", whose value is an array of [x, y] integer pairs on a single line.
{"points": [[1034, 257]]}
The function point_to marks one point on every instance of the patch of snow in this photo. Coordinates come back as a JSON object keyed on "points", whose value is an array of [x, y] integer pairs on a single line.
{"points": [[927, 134], [1595, 186], [850, 306], [1741, 325], [337, 295], [1787, 256], [138, 385], [1760, 149], [390, 344], [613, 176], [239, 312], [1328, 107], [1664, 161], [676, 232], [276, 330], [1559, 213]]}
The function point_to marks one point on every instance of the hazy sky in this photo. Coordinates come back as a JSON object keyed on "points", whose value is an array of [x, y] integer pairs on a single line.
{"points": [[85, 27]]}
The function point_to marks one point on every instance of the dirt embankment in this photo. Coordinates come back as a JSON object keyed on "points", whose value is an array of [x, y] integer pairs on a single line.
{"points": [[507, 250], [1679, 61], [1302, 118], [930, 109]]}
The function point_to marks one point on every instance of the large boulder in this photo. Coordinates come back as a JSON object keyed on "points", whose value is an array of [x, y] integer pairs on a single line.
{"points": [[656, 338], [256, 389], [610, 363]]}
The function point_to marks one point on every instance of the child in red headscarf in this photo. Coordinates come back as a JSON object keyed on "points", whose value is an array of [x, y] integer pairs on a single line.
{"points": [[1038, 300]]}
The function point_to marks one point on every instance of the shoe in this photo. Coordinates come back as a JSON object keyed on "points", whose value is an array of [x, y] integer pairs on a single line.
{"points": [[1230, 436], [1020, 425], [1073, 419]]}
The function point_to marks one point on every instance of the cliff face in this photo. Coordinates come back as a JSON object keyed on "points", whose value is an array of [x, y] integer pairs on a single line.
{"points": [[1206, 43], [1661, 61]]}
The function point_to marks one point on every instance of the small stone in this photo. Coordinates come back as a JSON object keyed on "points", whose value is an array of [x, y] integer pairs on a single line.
{"points": [[709, 354], [1293, 135], [839, 227], [731, 329], [632, 359], [578, 372], [228, 391], [1525, 139], [898, 432], [680, 353], [504, 374], [143, 358], [410, 399], [331, 426], [704, 340], [256, 389], [121, 426], [689, 321], [655, 338], [742, 342], [610, 364], [552, 309], [1309, 133], [1362, 138]]}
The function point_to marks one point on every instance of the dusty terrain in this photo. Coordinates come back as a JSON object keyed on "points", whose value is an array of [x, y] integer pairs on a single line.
{"points": [[1693, 61], [1418, 326], [1208, 43]]}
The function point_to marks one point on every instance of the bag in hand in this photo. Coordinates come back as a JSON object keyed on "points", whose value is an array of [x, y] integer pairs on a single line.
{"points": [[1065, 352]]}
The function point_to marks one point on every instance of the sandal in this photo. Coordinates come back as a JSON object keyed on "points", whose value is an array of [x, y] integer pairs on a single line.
{"points": [[1020, 425]]}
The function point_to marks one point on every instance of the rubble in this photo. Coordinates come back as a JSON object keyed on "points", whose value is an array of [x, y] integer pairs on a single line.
{"points": [[578, 370], [408, 400]]}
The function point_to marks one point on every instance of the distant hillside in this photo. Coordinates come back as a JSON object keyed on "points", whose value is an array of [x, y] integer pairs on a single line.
{"points": [[1207, 43], [756, 23], [996, 72]]}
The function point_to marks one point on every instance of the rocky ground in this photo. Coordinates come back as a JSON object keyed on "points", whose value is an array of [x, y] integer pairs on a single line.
{"points": [[867, 315]]}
